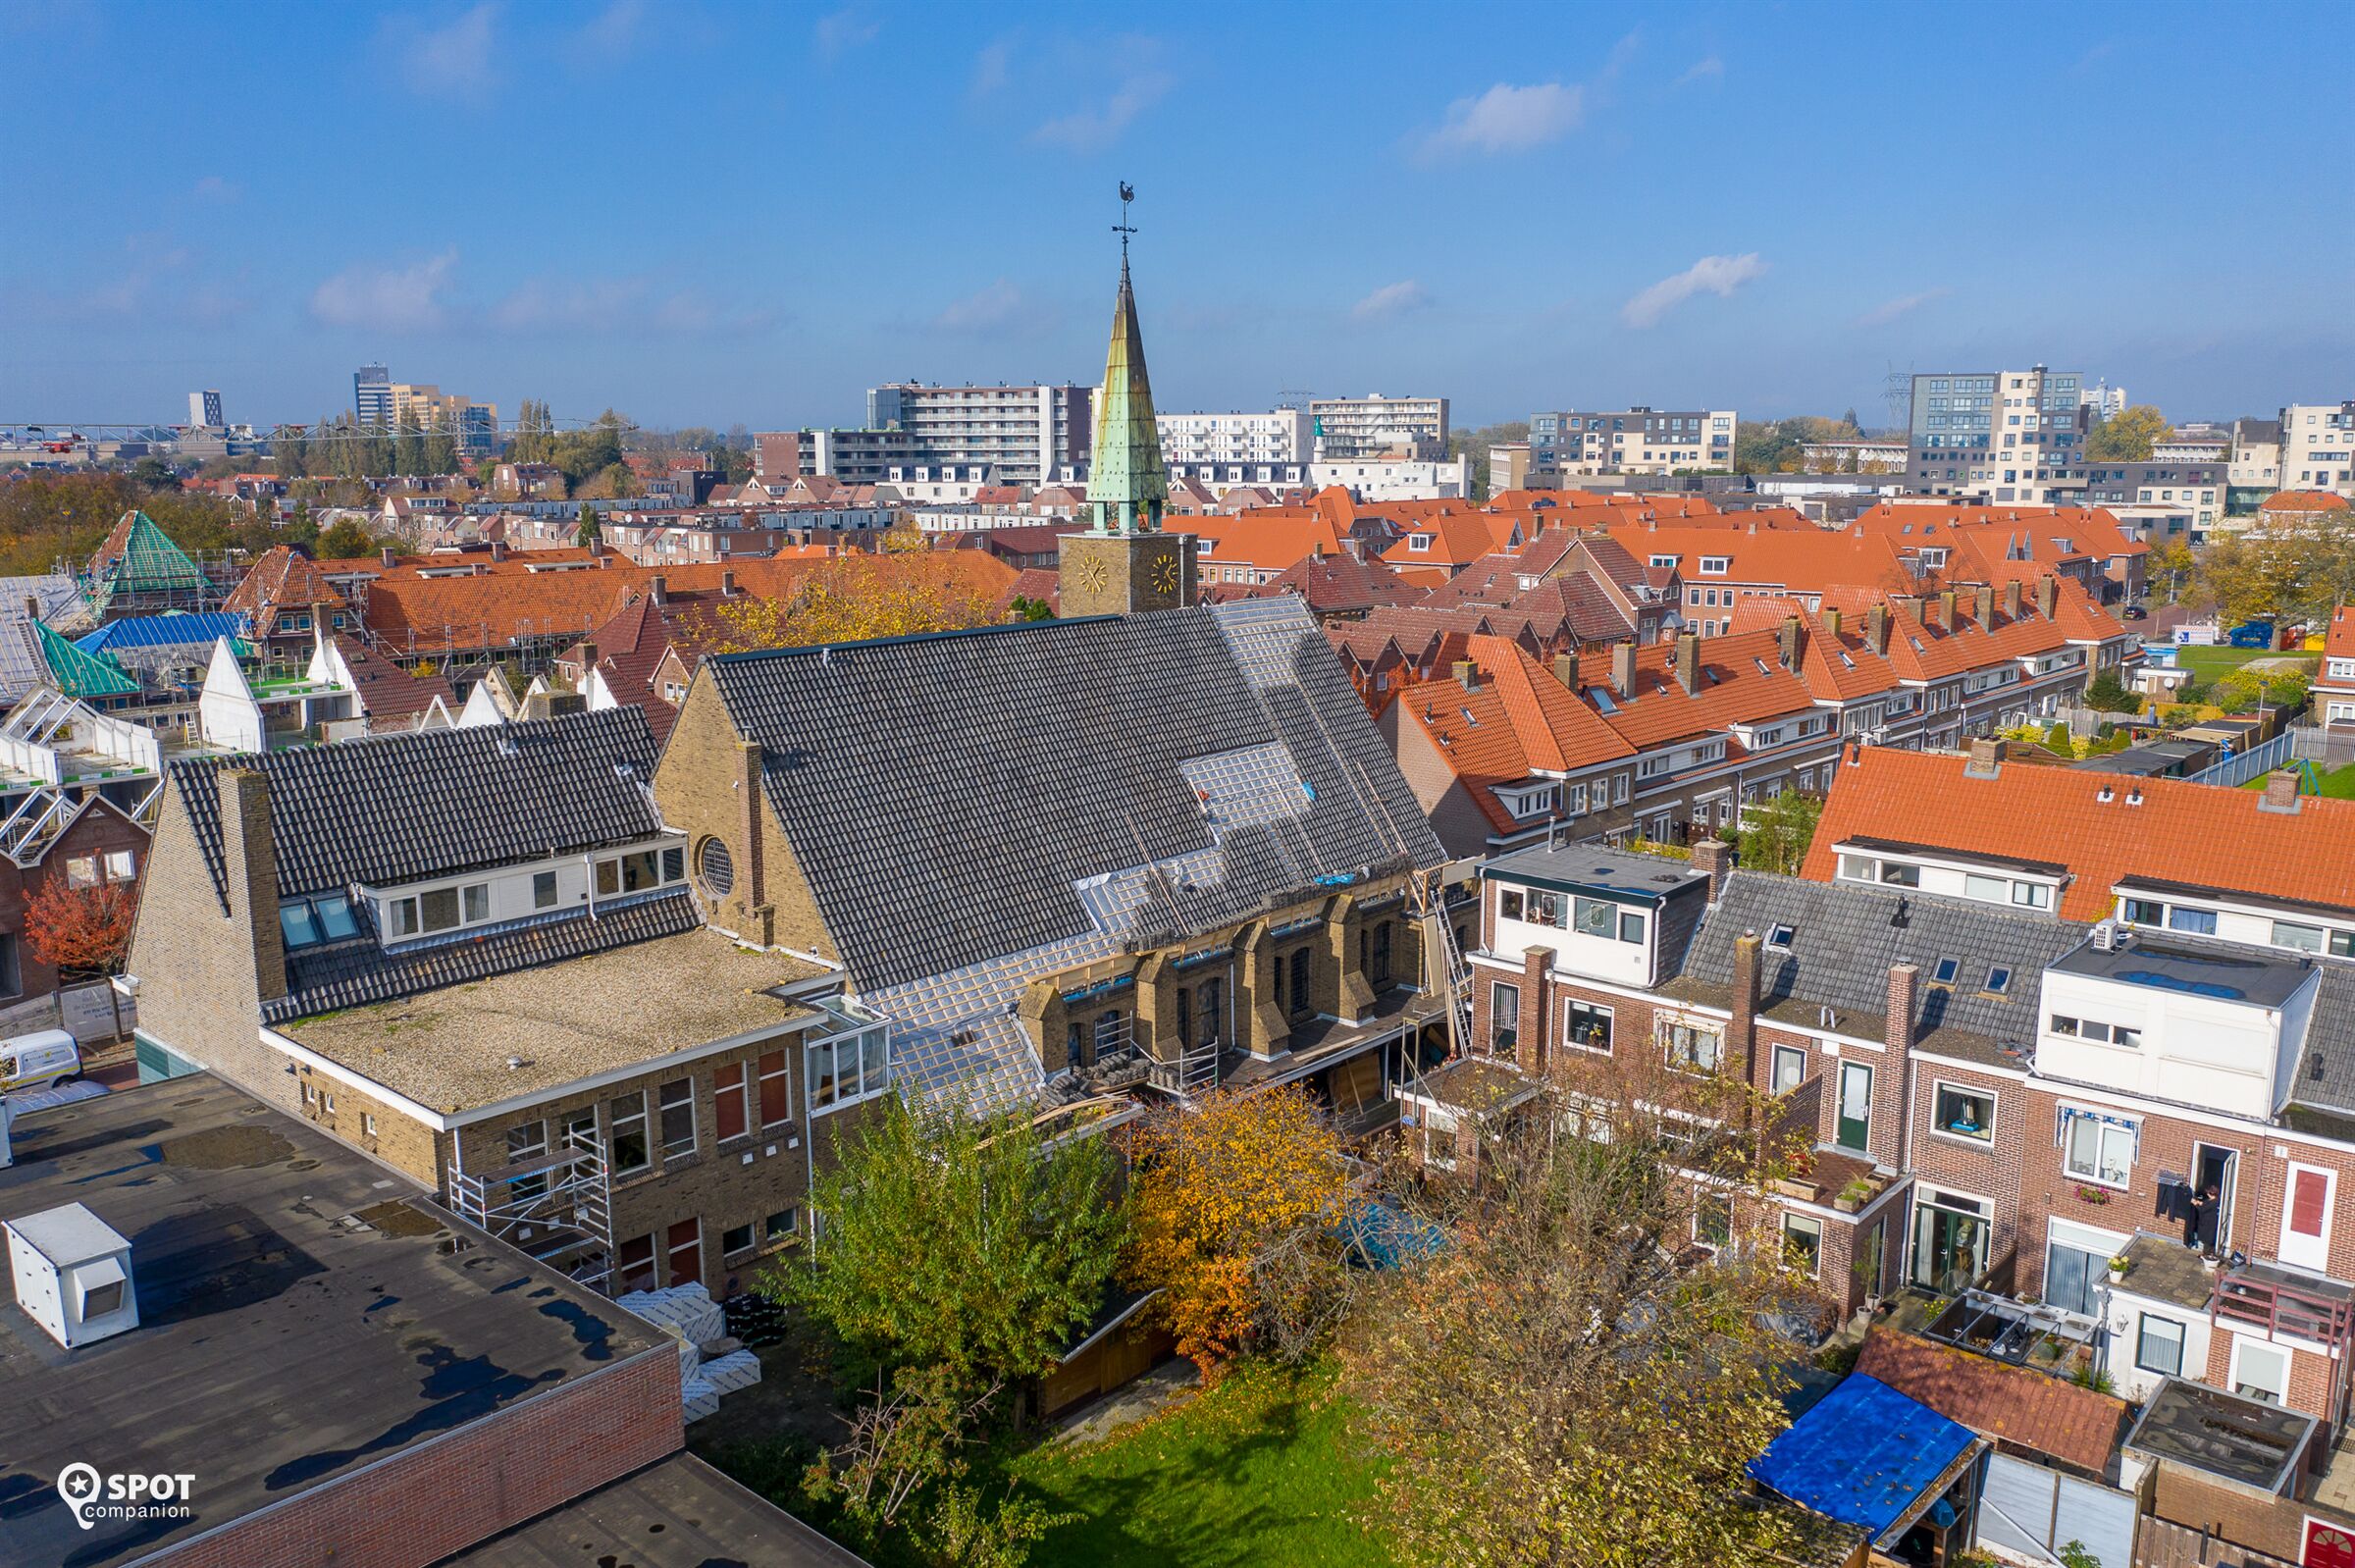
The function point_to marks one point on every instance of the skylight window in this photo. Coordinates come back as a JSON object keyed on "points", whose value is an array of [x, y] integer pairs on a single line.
{"points": [[1945, 970], [1999, 980], [1780, 937]]}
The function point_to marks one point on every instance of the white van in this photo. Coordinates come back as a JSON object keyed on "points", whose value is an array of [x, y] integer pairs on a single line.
{"points": [[37, 1060]]}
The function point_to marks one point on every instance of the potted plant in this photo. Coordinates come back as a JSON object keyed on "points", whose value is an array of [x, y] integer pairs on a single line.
{"points": [[1854, 1196], [2089, 1194], [2119, 1267]]}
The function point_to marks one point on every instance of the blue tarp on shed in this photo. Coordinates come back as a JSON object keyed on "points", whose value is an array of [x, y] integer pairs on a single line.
{"points": [[163, 630], [1862, 1457]]}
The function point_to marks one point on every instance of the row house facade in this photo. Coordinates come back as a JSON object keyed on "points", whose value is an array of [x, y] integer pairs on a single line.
{"points": [[1671, 741]]}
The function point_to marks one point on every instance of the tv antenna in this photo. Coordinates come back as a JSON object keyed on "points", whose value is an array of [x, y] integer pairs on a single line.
{"points": [[1124, 228]]}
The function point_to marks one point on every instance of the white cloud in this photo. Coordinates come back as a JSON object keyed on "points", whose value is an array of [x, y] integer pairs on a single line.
{"points": [[1707, 69], [1087, 129], [390, 299], [580, 306], [993, 68], [988, 310], [1883, 314], [1390, 302], [613, 32], [456, 59], [839, 32], [1710, 275], [1507, 118]]}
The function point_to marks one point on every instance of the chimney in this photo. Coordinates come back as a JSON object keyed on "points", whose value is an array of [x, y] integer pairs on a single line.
{"points": [[597, 554], [727, 583], [1535, 965], [2281, 792], [1946, 609], [2011, 600], [1876, 628], [1565, 669], [498, 549], [753, 809], [2048, 595], [1831, 619], [1688, 663], [588, 658], [1787, 641], [1742, 1028], [386, 556], [1986, 759], [250, 861], [1715, 858], [658, 590], [1623, 668], [1467, 674], [1896, 1036], [33, 606], [1986, 606]]}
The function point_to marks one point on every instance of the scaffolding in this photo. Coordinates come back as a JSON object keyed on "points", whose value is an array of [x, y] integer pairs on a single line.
{"points": [[138, 571], [558, 1207]]}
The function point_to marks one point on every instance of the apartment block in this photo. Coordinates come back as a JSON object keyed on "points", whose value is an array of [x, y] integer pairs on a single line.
{"points": [[1347, 429], [2317, 446], [1235, 448], [1030, 435], [1998, 436], [2196, 489], [474, 426], [1631, 441]]}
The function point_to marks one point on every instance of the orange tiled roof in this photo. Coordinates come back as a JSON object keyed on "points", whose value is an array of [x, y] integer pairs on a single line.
{"points": [[1517, 719], [2159, 830], [2340, 643], [2300, 502], [1268, 539], [2030, 1409], [1741, 681]]}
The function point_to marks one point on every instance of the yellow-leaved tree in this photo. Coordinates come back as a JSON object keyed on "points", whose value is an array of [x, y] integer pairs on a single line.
{"points": [[850, 597], [1217, 1189]]}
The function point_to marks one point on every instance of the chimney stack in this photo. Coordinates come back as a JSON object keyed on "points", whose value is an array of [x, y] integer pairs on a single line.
{"points": [[2281, 792], [1623, 668], [1787, 643], [498, 549], [1467, 674], [386, 556], [2011, 600], [1831, 619], [1565, 669], [657, 588], [249, 858], [1986, 606], [1688, 664], [1986, 759], [1896, 1036], [1743, 1025], [1715, 858], [1946, 609], [33, 606], [1876, 628], [727, 583], [2048, 595]]}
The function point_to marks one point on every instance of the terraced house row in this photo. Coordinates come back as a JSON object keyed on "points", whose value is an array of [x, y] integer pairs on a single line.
{"points": [[2072, 1055]]}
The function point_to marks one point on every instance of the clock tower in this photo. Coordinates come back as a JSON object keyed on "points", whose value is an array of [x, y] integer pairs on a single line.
{"points": [[1125, 562]]}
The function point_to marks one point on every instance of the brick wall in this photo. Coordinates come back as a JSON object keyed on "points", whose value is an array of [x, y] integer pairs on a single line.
{"points": [[1992, 1169], [97, 833], [424, 1503]]}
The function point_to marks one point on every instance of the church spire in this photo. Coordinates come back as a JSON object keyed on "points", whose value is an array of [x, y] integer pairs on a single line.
{"points": [[1127, 481]]}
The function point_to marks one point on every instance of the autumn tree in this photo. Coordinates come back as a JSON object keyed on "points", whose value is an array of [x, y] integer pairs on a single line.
{"points": [[1569, 1378], [973, 1245], [1221, 1190], [82, 932], [852, 597], [2172, 566], [586, 531], [344, 540], [2128, 436]]}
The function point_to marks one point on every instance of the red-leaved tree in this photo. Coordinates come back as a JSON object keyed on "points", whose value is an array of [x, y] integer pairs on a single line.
{"points": [[85, 930]]}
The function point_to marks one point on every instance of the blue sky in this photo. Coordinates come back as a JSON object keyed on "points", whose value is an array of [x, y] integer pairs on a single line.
{"points": [[702, 213]]}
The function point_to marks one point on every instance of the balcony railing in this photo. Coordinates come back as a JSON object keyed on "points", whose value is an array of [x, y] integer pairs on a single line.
{"points": [[2260, 1295]]}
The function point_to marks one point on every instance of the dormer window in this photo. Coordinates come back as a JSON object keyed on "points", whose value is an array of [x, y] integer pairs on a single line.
{"points": [[1716, 565], [445, 908], [1418, 541], [640, 872]]}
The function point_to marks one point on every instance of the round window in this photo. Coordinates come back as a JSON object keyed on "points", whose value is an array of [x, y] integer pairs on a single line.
{"points": [[714, 868]]}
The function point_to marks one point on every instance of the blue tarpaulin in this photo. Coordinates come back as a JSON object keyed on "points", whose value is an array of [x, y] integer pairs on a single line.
{"points": [[181, 628], [1864, 1456]]}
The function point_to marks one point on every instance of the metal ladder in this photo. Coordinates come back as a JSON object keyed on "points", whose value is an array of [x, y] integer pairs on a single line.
{"points": [[1453, 977]]}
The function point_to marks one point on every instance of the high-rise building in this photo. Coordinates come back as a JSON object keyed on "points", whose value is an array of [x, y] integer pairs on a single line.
{"points": [[1630, 441], [372, 394], [1027, 434], [2101, 401], [204, 410], [1375, 426], [474, 426], [1998, 436]]}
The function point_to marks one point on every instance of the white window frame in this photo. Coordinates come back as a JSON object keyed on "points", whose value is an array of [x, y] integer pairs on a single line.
{"points": [[1994, 1112], [2241, 1343], [1669, 1029], [1610, 1015], [836, 1094], [2103, 1131]]}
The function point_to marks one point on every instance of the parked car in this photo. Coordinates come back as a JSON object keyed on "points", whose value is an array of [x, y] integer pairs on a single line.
{"points": [[2135, 612], [37, 1060]]}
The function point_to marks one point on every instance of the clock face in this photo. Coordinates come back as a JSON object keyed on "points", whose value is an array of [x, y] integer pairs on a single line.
{"points": [[1165, 574], [1092, 574]]}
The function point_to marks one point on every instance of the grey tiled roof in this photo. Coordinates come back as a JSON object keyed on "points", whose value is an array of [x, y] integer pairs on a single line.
{"points": [[358, 971], [435, 802], [1844, 939], [950, 797], [2325, 1074]]}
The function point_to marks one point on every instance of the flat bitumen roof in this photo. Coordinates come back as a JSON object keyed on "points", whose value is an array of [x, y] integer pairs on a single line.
{"points": [[2169, 963], [676, 1513], [2247, 1441], [448, 1049], [1593, 867], [303, 1313]]}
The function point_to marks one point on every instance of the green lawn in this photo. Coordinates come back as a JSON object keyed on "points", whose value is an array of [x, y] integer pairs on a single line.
{"points": [[2207, 663], [1256, 1471]]}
